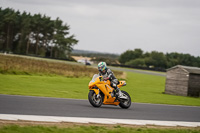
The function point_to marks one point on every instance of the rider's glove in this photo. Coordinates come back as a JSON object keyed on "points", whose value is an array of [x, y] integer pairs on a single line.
{"points": [[105, 79]]}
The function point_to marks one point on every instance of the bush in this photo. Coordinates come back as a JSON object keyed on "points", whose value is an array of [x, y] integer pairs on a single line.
{"points": [[137, 62]]}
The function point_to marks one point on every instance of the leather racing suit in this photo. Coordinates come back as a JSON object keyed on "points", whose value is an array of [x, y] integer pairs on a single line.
{"points": [[109, 75]]}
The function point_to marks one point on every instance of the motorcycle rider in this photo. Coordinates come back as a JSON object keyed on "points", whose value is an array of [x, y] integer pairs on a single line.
{"points": [[108, 75]]}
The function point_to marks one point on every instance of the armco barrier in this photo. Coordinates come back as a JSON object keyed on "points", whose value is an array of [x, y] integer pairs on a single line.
{"points": [[143, 68]]}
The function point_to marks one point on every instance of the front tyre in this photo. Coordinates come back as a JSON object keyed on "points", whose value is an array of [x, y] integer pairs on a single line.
{"points": [[125, 103], [94, 100]]}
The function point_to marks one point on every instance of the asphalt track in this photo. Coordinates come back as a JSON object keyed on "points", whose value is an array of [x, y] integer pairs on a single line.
{"points": [[27, 105], [138, 71]]}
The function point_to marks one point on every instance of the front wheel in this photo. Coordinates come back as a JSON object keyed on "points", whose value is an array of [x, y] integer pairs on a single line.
{"points": [[125, 103], [94, 100]]}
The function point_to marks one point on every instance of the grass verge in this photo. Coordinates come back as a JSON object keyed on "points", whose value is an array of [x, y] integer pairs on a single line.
{"points": [[91, 129], [47, 86]]}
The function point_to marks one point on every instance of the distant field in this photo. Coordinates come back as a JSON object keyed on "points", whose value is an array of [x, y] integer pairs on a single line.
{"points": [[33, 66]]}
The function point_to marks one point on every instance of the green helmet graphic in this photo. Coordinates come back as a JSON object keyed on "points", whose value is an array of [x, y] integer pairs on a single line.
{"points": [[102, 66]]}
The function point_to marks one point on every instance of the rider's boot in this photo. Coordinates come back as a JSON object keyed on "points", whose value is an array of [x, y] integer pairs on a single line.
{"points": [[119, 94]]}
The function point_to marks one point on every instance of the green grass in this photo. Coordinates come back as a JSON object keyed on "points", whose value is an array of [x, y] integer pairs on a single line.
{"points": [[143, 88], [89, 129], [48, 86], [146, 88]]}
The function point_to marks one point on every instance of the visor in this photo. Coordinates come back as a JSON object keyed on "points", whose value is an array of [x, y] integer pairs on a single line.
{"points": [[101, 68]]}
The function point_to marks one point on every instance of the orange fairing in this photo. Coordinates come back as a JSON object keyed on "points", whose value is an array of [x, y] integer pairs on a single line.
{"points": [[95, 81], [103, 85], [97, 84], [101, 92], [121, 83]]}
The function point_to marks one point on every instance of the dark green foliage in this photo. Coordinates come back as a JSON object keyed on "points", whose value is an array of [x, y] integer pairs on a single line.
{"points": [[130, 55], [137, 62], [37, 34], [157, 59], [182, 59]]}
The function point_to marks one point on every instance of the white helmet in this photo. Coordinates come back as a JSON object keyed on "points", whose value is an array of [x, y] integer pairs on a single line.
{"points": [[102, 66]]}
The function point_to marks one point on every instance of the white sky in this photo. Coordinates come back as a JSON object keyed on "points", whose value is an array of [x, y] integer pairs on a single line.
{"points": [[115, 26]]}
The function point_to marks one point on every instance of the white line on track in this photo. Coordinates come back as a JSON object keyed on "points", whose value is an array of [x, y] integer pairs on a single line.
{"points": [[16, 117]]}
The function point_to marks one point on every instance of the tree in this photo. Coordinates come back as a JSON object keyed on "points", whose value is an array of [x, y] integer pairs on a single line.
{"points": [[9, 23], [139, 62], [175, 58], [130, 55], [61, 40], [156, 59], [36, 34]]}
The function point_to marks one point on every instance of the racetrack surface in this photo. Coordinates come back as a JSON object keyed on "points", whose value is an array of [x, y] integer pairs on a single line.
{"points": [[138, 71], [28, 105]]}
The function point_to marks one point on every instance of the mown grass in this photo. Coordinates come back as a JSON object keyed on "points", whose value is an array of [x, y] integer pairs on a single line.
{"points": [[142, 88], [30, 66], [89, 129], [47, 86]]}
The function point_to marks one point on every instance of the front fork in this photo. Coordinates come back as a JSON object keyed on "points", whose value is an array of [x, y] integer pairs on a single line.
{"points": [[97, 92], [98, 95]]}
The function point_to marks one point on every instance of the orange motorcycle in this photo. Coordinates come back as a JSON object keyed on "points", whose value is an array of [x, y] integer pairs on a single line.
{"points": [[101, 92]]}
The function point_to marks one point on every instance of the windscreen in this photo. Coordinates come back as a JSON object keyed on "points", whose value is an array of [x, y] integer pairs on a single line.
{"points": [[95, 76]]}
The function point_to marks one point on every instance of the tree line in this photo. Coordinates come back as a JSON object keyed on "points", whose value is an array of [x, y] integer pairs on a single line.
{"points": [[23, 33], [139, 58]]}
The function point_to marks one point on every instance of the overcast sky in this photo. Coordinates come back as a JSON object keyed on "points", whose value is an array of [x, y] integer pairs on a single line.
{"points": [[115, 26]]}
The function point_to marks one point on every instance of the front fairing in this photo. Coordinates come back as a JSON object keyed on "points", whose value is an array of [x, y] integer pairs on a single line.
{"points": [[95, 80]]}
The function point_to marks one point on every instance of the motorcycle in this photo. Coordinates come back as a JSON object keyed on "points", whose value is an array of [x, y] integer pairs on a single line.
{"points": [[101, 92]]}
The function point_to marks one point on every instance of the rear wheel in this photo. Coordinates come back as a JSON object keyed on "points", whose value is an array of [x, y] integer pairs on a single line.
{"points": [[95, 100], [125, 103]]}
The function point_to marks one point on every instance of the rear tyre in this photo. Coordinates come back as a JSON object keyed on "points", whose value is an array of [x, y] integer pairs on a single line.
{"points": [[125, 103], [94, 100]]}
